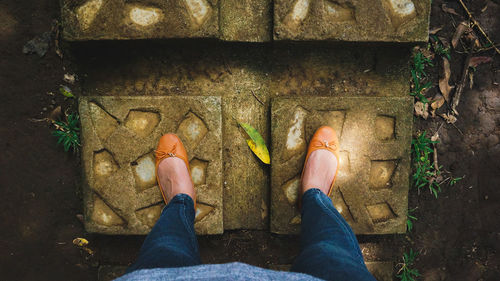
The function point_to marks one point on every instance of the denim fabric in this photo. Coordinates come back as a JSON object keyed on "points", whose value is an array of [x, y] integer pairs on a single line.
{"points": [[172, 241], [329, 249]]}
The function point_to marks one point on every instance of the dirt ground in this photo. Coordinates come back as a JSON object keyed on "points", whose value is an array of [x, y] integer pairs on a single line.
{"points": [[457, 234]]}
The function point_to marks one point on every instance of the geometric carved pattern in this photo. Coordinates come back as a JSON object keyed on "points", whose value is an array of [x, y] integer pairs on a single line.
{"points": [[384, 20], [381, 172], [142, 123], [191, 130], [384, 127], [380, 212], [119, 135], [112, 19], [250, 20], [144, 172], [374, 164]]}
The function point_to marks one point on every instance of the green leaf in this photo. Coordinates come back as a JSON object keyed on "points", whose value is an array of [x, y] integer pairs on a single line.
{"points": [[256, 143], [66, 91]]}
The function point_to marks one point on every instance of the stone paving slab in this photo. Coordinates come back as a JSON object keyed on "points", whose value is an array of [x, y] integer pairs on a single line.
{"points": [[246, 178], [231, 20], [119, 135], [245, 20], [352, 20], [118, 19], [371, 190]]}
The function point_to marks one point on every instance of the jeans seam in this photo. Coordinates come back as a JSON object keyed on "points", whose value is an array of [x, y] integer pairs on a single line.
{"points": [[184, 221], [345, 230]]}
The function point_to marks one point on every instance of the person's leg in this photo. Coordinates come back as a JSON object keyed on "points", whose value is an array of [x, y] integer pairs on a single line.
{"points": [[172, 241], [329, 249]]}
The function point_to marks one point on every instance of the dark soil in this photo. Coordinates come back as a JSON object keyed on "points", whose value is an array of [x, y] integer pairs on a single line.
{"points": [[457, 234]]}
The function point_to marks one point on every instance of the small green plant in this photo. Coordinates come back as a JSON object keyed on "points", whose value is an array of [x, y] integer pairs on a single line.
{"points": [[409, 219], [418, 74], [439, 48], [426, 173], [420, 62], [407, 272], [453, 181], [68, 132], [418, 88]]}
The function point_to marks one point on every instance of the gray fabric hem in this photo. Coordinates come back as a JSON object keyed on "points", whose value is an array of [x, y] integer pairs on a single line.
{"points": [[228, 271]]}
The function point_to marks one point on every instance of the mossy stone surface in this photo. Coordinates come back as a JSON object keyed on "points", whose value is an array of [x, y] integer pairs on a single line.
{"points": [[118, 19], [245, 77], [371, 190], [352, 20], [121, 195]]}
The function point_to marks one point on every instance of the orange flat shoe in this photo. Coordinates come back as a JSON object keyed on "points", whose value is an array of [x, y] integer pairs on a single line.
{"points": [[324, 138], [170, 145]]}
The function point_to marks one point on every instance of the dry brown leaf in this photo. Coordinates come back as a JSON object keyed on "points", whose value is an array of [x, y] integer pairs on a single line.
{"points": [[472, 37], [437, 102], [80, 218], [55, 114], [435, 137], [446, 9], [461, 29], [450, 118], [70, 78], [471, 79], [475, 61], [421, 109], [444, 41], [484, 8], [435, 30], [444, 87]]}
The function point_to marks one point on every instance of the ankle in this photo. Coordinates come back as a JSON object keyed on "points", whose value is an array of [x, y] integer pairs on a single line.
{"points": [[319, 171], [174, 178]]}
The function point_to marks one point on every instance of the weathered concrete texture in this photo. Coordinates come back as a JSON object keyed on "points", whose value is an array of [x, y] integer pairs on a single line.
{"points": [[245, 20], [119, 135], [341, 70], [372, 184], [352, 20], [177, 68], [117, 19], [382, 271], [241, 76], [246, 178]]}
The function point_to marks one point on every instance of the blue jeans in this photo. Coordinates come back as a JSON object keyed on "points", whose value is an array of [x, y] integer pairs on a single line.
{"points": [[329, 249]]}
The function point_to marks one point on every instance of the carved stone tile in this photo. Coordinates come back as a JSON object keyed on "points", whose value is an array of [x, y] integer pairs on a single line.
{"points": [[231, 20], [352, 20], [371, 190], [119, 134], [118, 19]]}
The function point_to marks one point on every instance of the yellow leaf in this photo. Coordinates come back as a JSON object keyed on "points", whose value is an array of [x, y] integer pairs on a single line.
{"points": [[80, 242], [256, 143]]}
